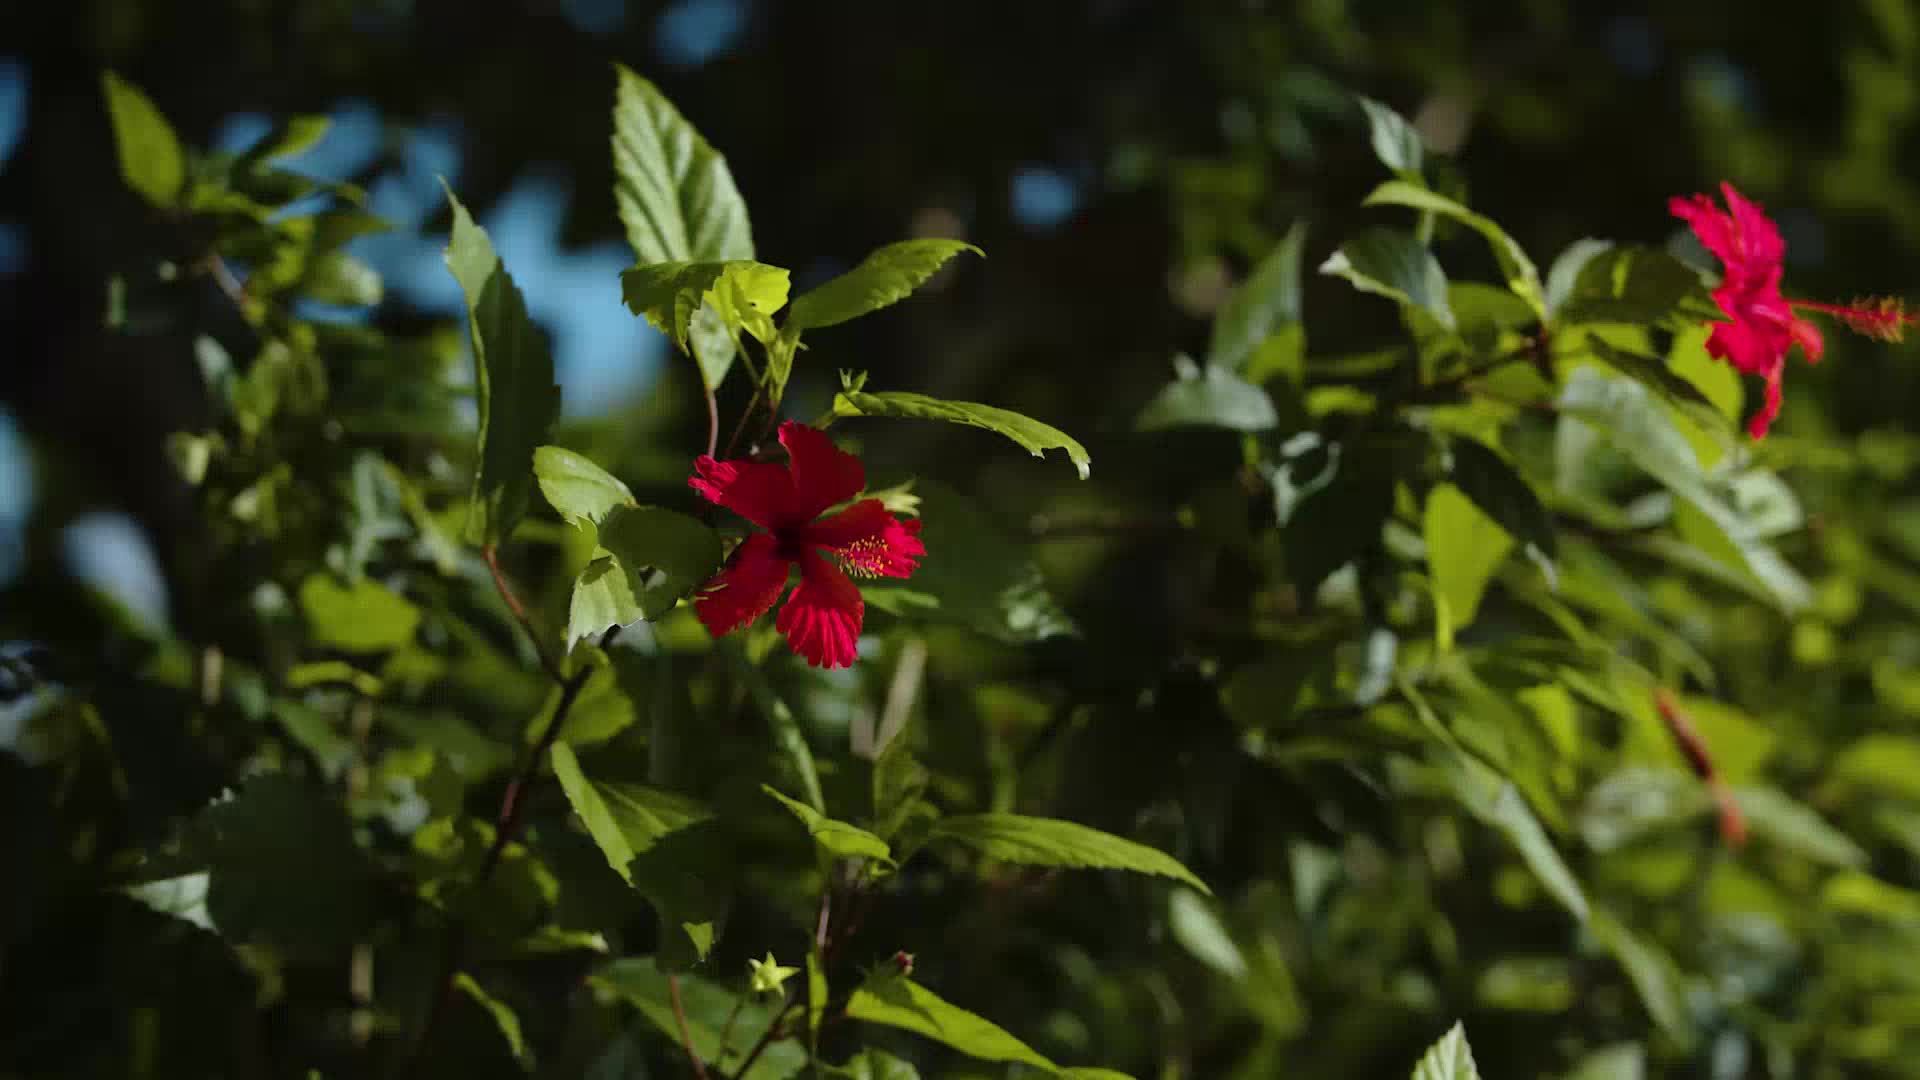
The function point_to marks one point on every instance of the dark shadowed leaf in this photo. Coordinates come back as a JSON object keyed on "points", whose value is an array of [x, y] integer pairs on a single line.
{"points": [[1390, 263], [1259, 307], [513, 379]]}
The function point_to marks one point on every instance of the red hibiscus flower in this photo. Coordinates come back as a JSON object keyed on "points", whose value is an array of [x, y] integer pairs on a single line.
{"points": [[822, 618], [1763, 325]]}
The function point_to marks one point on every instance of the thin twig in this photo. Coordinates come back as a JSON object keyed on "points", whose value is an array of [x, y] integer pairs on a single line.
{"points": [[686, 1033], [506, 825], [713, 417], [733, 441], [519, 610], [772, 1035]]}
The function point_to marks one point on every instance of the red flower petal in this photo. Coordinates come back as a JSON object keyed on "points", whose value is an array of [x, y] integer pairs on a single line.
{"points": [[1807, 336], [1712, 226], [745, 588], [1758, 240], [823, 474], [869, 541], [822, 617], [760, 492], [1762, 420]]}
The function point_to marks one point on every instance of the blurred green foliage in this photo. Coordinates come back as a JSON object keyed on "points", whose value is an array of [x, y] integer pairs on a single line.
{"points": [[1319, 717]]}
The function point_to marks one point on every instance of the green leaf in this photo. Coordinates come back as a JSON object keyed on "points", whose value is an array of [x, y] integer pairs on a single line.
{"points": [[1261, 306], [1637, 427], [183, 897], [898, 783], [1214, 397], [741, 295], [1051, 842], [579, 489], [1636, 286], [975, 575], [680, 552], [1032, 435], [1338, 518], [602, 597], [1496, 802], [1796, 827], [1881, 762], [674, 193], [1621, 1061], [1655, 373], [877, 1065], [503, 1017], [1653, 974], [362, 617], [836, 838], [1464, 548], [896, 1001], [1393, 264], [151, 160], [1198, 929], [338, 278], [625, 820], [1564, 275], [1496, 488], [887, 276], [1449, 1059], [293, 135], [1522, 276], [513, 379], [640, 982], [1395, 142], [285, 869]]}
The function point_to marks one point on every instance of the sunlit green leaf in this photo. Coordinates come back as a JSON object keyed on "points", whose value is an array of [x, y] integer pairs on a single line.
{"points": [[1395, 142], [1051, 842], [899, 1002], [151, 160], [1464, 548], [579, 489], [1449, 1059], [1032, 435], [674, 192], [887, 276], [1213, 397], [837, 838], [362, 617], [504, 1018]]}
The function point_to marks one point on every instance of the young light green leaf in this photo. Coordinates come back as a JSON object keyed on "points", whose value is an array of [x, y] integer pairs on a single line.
{"points": [[1393, 264], [592, 810], [293, 135], [742, 294], [1198, 929], [1051, 842], [582, 491], [887, 276], [896, 1001], [1260, 306], [1395, 142], [836, 838], [1214, 397], [183, 897], [151, 160], [1449, 1059], [674, 192], [503, 1016], [1035, 437], [1564, 274], [1464, 548], [362, 617], [513, 379], [1773, 816], [1522, 276]]}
